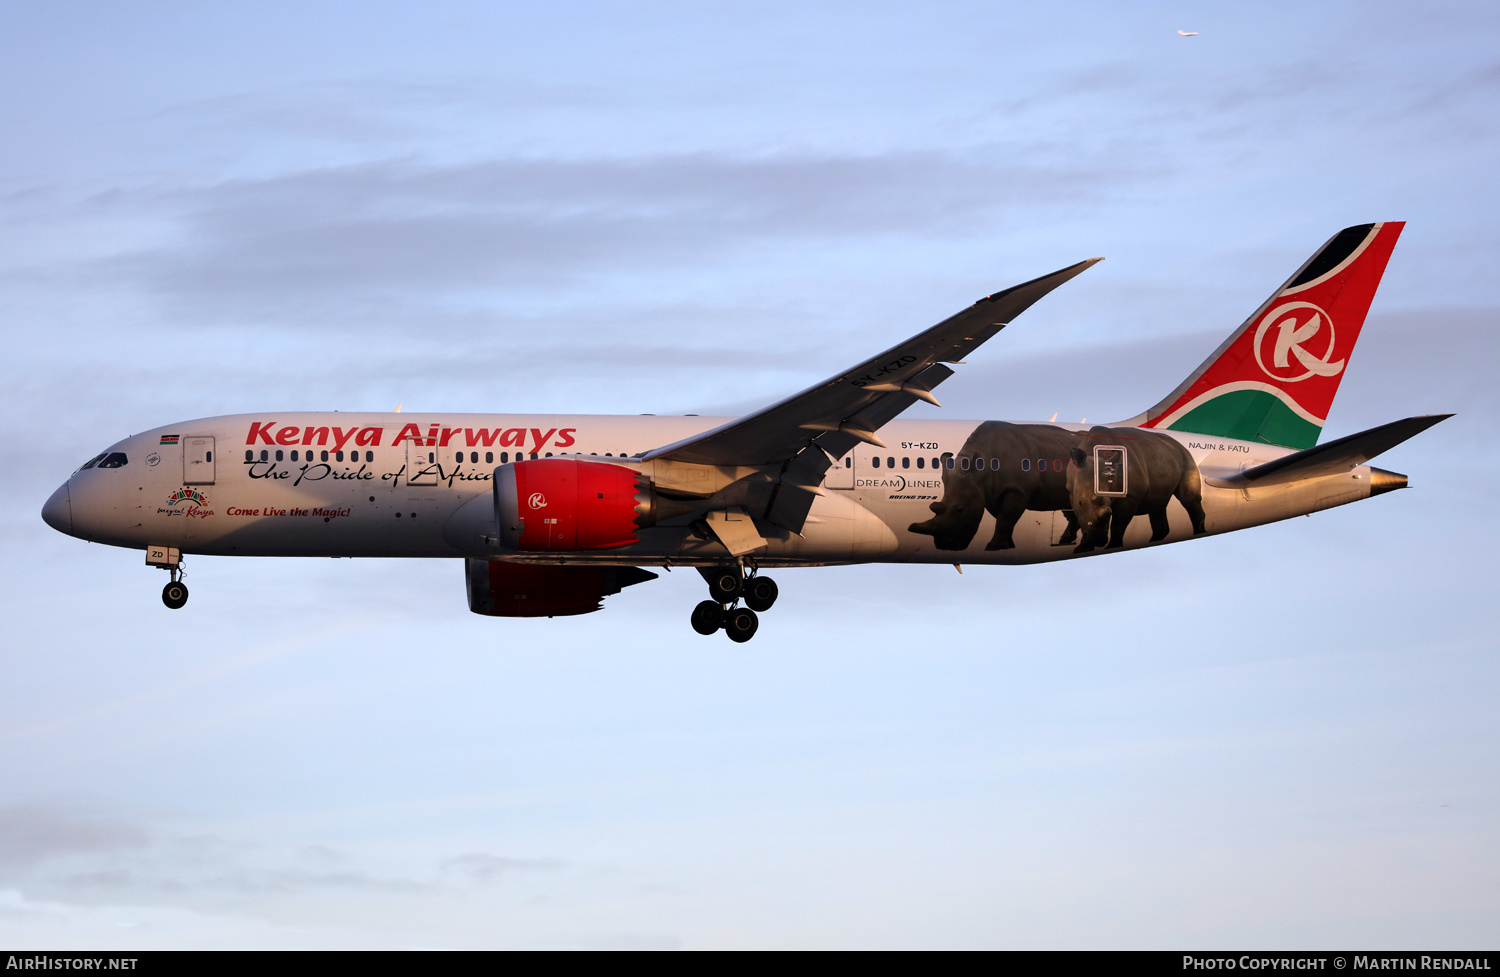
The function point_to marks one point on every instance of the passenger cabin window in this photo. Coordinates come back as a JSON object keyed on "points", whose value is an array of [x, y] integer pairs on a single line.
{"points": [[115, 459], [249, 455], [278, 455], [875, 462], [921, 462], [489, 457]]}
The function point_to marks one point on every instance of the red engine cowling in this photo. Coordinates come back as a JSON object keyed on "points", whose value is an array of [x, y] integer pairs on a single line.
{"points": [[555, 505], [518, 590]]}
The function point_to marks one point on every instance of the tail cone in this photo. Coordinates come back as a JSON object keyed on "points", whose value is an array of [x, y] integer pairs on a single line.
{"points": [[1382, 481]]}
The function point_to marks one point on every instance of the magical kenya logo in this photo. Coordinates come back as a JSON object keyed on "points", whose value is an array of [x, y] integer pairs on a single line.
{"points": [[190, 496]]}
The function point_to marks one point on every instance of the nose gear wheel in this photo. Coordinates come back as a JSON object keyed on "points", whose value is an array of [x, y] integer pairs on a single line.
{"points": [[174, 594]]}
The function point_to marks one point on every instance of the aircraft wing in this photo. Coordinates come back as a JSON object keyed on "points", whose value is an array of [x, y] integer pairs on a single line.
{"points": [[1332, 458], [850, 407]]}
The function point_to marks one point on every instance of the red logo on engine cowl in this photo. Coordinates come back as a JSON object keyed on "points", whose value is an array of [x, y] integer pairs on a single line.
{"points": [[1296, 341], [537, 501]]}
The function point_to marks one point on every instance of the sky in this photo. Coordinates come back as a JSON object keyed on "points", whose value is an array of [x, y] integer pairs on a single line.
{"points": [[1284, 737]]}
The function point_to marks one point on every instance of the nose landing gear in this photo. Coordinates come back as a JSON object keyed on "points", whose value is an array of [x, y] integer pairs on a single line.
{"points": [[726, 586], [169, 558]]}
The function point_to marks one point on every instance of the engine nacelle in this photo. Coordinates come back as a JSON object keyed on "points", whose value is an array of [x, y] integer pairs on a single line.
{"points": [[558, 505], [518, 590]]}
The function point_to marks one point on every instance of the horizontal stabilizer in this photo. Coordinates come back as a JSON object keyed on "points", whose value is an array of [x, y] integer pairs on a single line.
{"points": [[1332, 458]]}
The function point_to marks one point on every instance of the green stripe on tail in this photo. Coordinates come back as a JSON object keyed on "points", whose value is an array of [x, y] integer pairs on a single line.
{"points": [[1250, 415]]}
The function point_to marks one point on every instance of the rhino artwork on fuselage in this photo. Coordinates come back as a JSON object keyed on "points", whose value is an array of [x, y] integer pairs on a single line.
{"points": [[1156, 469], [1007, 469], [1004, 469]]}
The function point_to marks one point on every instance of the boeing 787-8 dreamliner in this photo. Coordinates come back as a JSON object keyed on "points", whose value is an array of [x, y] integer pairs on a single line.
{"points": [[552, 513]]}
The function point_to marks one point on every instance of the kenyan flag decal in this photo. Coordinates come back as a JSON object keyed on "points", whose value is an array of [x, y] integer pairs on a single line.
{"points": [[1275, 379]]}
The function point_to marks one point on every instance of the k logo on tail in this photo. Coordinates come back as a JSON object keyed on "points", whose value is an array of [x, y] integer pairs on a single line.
{"points": [[1296, 324]]}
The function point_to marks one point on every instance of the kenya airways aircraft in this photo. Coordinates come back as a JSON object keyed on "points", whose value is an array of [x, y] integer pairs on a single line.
{"points": [[551, 514]]}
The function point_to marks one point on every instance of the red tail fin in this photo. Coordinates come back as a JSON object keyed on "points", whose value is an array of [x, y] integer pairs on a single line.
{"points": [[1274, 379]]}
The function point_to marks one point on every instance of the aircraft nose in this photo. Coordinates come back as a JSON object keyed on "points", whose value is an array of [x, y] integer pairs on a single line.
{"points": [[58, 512]]}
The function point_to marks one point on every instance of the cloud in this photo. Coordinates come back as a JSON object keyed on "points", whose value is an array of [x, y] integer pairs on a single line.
{"points": [[53, 853], [389, 231], [482, 867], [33, 833]]}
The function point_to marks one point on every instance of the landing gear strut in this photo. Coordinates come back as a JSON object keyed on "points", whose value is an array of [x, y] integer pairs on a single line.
{"points": [[727, 584], [175, 593]]}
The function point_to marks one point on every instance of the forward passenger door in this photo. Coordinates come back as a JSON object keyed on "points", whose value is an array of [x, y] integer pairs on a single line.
{"points": [[197, 460]]}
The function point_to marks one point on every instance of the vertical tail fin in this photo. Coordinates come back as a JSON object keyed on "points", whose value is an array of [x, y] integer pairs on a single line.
{"points": [[1274, 379]]}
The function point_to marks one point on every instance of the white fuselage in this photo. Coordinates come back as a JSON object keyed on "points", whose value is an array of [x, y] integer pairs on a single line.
{"points": [[419, 485]]}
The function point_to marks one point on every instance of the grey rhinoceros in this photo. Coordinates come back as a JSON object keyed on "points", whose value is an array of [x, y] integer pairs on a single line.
{"points": [[1157, 469], [1024, 466]]}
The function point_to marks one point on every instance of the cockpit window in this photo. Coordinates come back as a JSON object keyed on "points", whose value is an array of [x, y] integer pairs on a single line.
{"points": [[90, 463], [115, 459]]}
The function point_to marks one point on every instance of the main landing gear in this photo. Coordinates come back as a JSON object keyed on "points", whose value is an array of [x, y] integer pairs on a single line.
{"points": [[727, 585]]}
